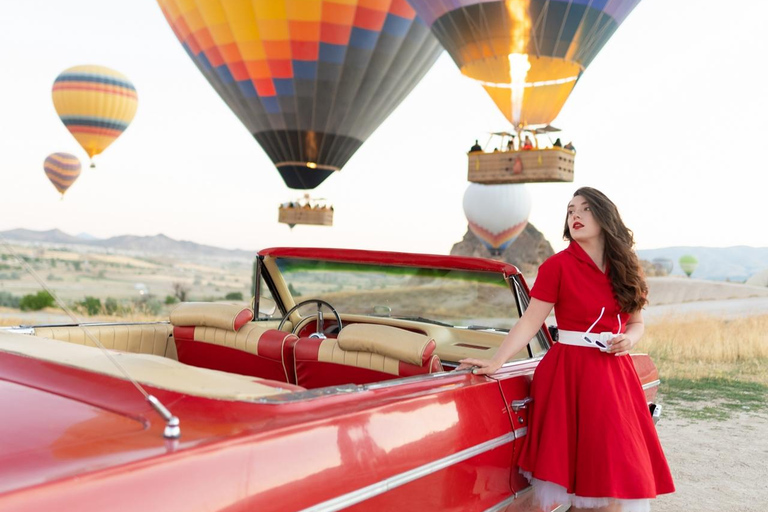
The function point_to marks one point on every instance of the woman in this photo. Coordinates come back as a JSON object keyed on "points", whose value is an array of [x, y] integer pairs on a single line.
{"points": [[591, 441]]}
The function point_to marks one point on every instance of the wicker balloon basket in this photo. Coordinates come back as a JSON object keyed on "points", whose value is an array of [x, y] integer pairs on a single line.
{"points": [[523, 166]]}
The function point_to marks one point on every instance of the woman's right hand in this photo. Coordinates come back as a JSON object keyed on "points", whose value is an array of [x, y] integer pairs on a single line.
{"points": [[483, 366]]}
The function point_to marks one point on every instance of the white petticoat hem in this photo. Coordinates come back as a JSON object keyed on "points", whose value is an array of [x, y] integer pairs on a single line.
{"points": [[549, 494]]}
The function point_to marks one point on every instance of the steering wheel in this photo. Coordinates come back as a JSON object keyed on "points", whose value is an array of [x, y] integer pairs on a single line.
{"points": [[319, 326]]}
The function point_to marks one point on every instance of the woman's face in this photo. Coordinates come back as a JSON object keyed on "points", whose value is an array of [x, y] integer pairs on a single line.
{"points": [[582, 225]]}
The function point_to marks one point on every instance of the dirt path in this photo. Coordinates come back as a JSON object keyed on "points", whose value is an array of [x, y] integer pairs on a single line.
{"points": [[718, 466]]}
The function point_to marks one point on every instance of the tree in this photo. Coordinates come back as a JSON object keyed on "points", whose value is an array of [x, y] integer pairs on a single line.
{"points": [[180, 291], [40, 300]]}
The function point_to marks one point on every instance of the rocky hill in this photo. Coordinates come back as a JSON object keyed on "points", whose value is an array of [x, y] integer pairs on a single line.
{"points": [[527, 252]]}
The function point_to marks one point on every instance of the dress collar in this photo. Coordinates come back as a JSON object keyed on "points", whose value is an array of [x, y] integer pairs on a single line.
{"points": [[580, 254]]}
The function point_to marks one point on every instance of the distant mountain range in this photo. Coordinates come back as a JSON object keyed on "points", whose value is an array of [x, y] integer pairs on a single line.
{"points": [[158, 244], [715, 263]]}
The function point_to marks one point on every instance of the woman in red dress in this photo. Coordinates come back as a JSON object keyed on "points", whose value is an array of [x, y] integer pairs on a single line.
{"points": [[591, 442]]}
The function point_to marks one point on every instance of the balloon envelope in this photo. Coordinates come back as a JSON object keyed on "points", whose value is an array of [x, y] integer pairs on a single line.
{"points": [[688, 263], [497, 214], [62, 169], [665, 265], [552, 42], [96, 104], [310, 79]]}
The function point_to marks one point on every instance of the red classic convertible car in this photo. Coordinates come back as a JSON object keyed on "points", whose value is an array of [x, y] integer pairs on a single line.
{"points": [[339, 392]]}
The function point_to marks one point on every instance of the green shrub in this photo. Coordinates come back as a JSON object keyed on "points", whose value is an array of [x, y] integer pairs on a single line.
{"points": [[111, 306], [171, 299], [152, 307], [7, 300], [234, 296], [92, 305], [40, 300]]}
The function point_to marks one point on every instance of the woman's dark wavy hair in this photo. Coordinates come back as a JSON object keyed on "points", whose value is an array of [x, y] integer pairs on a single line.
{"points": [[624, 270]]}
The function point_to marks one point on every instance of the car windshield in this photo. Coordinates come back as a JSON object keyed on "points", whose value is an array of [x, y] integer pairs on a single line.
{"points": [[459, 298]]}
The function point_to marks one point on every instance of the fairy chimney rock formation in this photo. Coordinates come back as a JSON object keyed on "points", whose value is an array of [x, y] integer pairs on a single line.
{"points": [[527, 252]]}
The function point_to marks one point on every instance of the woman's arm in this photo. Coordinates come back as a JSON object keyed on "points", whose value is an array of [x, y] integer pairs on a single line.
{"points": [[518, 337], [621, 344]]}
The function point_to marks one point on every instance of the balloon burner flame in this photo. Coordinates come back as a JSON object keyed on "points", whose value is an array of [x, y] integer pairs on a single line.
{"points": [[519, 65]]}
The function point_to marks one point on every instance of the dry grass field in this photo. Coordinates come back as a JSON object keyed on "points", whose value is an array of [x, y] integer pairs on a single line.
{"points": [[709, 347], [74, 275]]}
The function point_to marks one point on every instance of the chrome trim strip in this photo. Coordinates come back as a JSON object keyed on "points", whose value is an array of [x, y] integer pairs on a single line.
{"points": [[23, 328], [502, 504], [651, 384], [354, 497], [520, 432], [520, 362], [508, 501], [18, 329], [420, 378]]}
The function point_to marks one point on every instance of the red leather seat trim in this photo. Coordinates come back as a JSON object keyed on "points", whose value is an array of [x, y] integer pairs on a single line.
{"points": [[243, 318], [184, 333], [318, 374], [226, 359], [311, 373], [267, 364], [428, 351]]}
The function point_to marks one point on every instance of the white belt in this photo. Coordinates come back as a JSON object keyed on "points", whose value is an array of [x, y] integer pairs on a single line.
{"points": [[585, 339]]}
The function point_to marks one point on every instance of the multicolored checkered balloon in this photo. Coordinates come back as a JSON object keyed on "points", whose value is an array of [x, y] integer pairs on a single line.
{"points": [[310, 79]]}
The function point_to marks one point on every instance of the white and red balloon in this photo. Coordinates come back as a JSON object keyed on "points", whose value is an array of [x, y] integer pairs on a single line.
{"points": [[497, 214]]}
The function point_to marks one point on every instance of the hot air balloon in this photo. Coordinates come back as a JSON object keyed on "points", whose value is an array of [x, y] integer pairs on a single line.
{"points": [[62, 170], [663, 265], [96, 104], [310, 79], [688, 263], [497, 214], [527, 54]]}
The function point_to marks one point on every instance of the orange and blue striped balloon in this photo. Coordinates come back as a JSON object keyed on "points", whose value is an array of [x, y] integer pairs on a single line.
{"points": [[62, 169], [96, 104]]}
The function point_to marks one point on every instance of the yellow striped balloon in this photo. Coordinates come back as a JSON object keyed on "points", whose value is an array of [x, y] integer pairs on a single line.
{"points": [[96, 104], [62, 170]]}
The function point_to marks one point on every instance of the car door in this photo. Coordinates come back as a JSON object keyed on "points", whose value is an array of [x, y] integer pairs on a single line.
{"points": [[514, 384]]}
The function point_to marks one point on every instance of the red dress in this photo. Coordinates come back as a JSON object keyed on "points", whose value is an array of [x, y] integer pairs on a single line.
{"points": [[591, 440]]}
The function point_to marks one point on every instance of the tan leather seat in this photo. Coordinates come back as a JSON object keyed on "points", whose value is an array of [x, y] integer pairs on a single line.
{"points": [[364, 353], [140, 339], [222, 337]]}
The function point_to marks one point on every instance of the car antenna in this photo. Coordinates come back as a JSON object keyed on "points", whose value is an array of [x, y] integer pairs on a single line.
{"points": [[172, 429]]}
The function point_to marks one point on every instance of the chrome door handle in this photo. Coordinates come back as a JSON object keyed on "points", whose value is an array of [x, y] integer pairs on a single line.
{"points": [[516, 405]]}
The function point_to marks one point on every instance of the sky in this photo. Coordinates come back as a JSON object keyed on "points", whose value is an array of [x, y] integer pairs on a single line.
{"points": [[670, 121]]}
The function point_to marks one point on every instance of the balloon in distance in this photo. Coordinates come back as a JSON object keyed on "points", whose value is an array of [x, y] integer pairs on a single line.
{"points": [[62, 169], [310, 79], [96, 104], [663, 265], [688, 263], [497, 214]]}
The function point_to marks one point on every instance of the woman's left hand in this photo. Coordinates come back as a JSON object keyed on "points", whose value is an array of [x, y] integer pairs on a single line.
{"points": [[620, 345]]}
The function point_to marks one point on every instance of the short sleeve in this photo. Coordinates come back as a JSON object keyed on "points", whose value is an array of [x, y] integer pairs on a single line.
{"points": [[547, 284]]}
